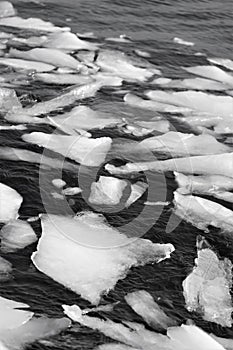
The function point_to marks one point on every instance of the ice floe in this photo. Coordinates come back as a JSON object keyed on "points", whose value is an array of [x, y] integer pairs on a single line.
{"points": [[71, 191], [192, 84], [135, 335], [207, 287], [83, 150], [107, 190], [30, 23], [137, 190], [6, 9], [16, 234], [10, 202], [202, 213], [145, 306], [5, 270], [59, 183], [225, 62], [183, 42], [69, 252], [211, 72], [177, 143], [63, 79], [8, 100], [18, 63]]}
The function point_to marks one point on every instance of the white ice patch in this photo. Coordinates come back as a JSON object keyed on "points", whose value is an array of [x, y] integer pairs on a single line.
{"points": [[180, 144], [17, 234], [192, 84], [26, 64], [6, 9], [71, 191], [88, 256], [59, 183], [137, 190], [8, 100], [10, 202], [224, 62], [207, 287], [63, 79], [107, 191], [83, 150]]}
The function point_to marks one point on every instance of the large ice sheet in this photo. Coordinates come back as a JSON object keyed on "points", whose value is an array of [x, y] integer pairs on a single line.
{"points": [[202, 212], [83, 150], [88, 256], [26, 64], [225, 62], [63, 79], [135, 335], [17, 234], [145, 306], [207, 288], [192, 84], [180, 144], [10, 202]]}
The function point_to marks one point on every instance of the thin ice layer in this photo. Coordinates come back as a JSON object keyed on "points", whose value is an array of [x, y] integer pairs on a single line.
{"points": [[31, 23], [83, 150], [10, 202], [88, 256], [207, 288]]}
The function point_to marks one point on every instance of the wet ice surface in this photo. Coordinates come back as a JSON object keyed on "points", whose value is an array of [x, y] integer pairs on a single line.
{"points": [[139, 119]]}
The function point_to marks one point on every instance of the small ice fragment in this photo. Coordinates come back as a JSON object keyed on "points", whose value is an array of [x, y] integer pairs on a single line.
{"points": [[59, 183]]}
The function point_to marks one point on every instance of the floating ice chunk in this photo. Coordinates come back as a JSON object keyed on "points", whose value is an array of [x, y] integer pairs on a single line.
{"points": [[100, 308], [77, 93], [145, 306], [118, 63], [224, 127], [54, 57], [71, 191], [183, 42], [136, 336], [211, 72], [31, 23], [85, 118], [86, 151], [59, 183], [17, 154], [107, 191], [193, 84], [142, 53], [114, 346], [219, 164], [11, 315], [207, 288], [10, 202], [212, 185], [121, 39], [137, 190], [13, 127], [135, 101], [162, 126], [34, 329], [202, 213], [26, 64], [6, 9], [69, 252], [225, 62], [68, 41], [17, 234], [203, 102], [5, 271], [177, 143], [63, 79], [192, 338], [8, 100], [226, 343]]}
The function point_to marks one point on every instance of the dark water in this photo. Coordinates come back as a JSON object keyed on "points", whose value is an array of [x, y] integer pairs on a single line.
{"points": [[152, 25]]}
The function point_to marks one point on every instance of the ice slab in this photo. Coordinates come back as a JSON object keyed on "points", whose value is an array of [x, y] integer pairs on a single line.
{"points": [[211, 72], [63, 79], [183, 42], [9, 100], [137, 190], [88, 256], [18, 63], [180, 144], [202, 212], [225, 62], [16, 234], [6, 9], [207, 288], [10, 202], [31, 23], [83, 150], [107, 191], [192, 84], [145, 306]]}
